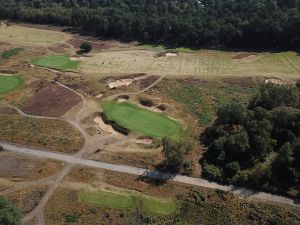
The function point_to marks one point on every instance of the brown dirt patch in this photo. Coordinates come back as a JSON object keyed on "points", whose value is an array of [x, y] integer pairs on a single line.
{"points": [[243, 55], [50, 99], [246, 82], [147, 81], [194, 81], [18, 167]]}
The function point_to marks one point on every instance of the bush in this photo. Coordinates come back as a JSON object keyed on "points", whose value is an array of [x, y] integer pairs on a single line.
{"points": [[9, 213], [85, 47], [175, 150]]}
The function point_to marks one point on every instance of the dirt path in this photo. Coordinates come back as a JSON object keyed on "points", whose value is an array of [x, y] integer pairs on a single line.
{"points": [[73, 159]]}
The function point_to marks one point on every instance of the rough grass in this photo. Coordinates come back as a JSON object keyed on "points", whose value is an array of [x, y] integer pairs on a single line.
{"points": [[108, 199], [159, 206], [9, 83], [61, 62], [20, 35], [140, 120], [199, 63], [42, 133], [166, 48], [11, 52], [201, 100]]}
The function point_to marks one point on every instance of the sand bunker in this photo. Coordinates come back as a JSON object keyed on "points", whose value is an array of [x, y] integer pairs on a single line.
{"points": [[144, 141], [171, 54], [99, 96], [104, 127], [274, 80], [124, 82], [166, 54]]}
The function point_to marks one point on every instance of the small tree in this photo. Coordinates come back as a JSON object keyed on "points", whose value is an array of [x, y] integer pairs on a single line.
{"points": [[175, 150], [85, 47], [9, 213]]}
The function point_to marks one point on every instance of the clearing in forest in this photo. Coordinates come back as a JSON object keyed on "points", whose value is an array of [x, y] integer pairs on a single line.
{"points": [[140, 120], [61, 62], [9, 83]]}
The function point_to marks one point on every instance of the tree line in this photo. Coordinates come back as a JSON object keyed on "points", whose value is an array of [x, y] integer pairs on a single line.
{"points": [[230, 23], [257, 145]]}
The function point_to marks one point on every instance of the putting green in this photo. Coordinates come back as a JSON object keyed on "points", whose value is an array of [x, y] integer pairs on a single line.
{"points": [[108, 199], [159, 206], [139, 120], [9, 83], [61, 62]]}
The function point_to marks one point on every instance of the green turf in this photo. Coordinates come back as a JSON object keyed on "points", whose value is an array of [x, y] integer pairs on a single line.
{"points": [[9, 83], [140, 120], [159, 206], [61, 62], [108, 199], [11, 52]]}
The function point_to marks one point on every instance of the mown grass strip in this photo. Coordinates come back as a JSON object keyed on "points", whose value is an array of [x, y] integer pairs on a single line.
{"points": [[61, 62], [10, 83], [108, 199], [10, 52], [139, 120], [159, 206]]}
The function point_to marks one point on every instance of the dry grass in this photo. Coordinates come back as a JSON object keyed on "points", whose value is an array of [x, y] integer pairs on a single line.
{"points": [[199, 63], [19, 35], [48, 134]]}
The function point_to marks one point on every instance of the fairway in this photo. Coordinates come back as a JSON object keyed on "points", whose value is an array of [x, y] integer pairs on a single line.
{"points": [[140, 120], [159, 206], [61, 62], [9, 83], [108, 199]]}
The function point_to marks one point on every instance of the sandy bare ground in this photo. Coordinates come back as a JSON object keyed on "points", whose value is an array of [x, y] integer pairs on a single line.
{"points": [[124, 82]]}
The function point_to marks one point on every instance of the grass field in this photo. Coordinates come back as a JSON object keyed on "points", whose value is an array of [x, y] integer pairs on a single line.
{"points": [[9, 83], [108, 199], [199, 63], [20, 35], [11, 52], [159, 206], [61, 62], [140, 120]]}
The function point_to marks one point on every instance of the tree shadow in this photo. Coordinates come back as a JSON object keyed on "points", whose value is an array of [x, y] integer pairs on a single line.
{"points": [[155, 177]]}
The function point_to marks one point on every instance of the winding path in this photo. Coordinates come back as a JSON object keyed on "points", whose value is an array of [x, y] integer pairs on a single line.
{"points": [[74, 159]]}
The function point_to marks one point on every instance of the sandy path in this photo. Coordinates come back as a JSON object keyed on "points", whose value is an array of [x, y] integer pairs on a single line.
{"points": [[75, 159]]}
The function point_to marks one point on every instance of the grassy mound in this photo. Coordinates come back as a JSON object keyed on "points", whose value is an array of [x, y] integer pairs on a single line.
{"points": [[11, 52], [108, 199], [9, 83], [61, 62], [140, 120], [159, 206]]}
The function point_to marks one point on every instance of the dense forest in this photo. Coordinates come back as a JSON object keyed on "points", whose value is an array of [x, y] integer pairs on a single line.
{"points": [[212, 23], [258, 145]]}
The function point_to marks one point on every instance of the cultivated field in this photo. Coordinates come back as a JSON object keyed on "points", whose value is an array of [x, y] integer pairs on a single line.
{"points": [[26, 36], [140, 120], [9, 83]]}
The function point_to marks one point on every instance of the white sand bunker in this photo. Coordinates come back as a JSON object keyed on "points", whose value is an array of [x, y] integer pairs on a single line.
{"points": [[171, 54], [124, 82], [103, 126], [99, 96], [144, 141], [274, 80]]}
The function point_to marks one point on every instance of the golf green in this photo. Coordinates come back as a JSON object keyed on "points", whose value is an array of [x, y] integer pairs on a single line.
{"points": [[139, 120], [62, 62], [108, 199], [9, 83]]}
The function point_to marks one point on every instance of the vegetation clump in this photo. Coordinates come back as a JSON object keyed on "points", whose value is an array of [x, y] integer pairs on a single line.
{"points": [[10, 52], [85, 47], [258, 145], [9, 213]]}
